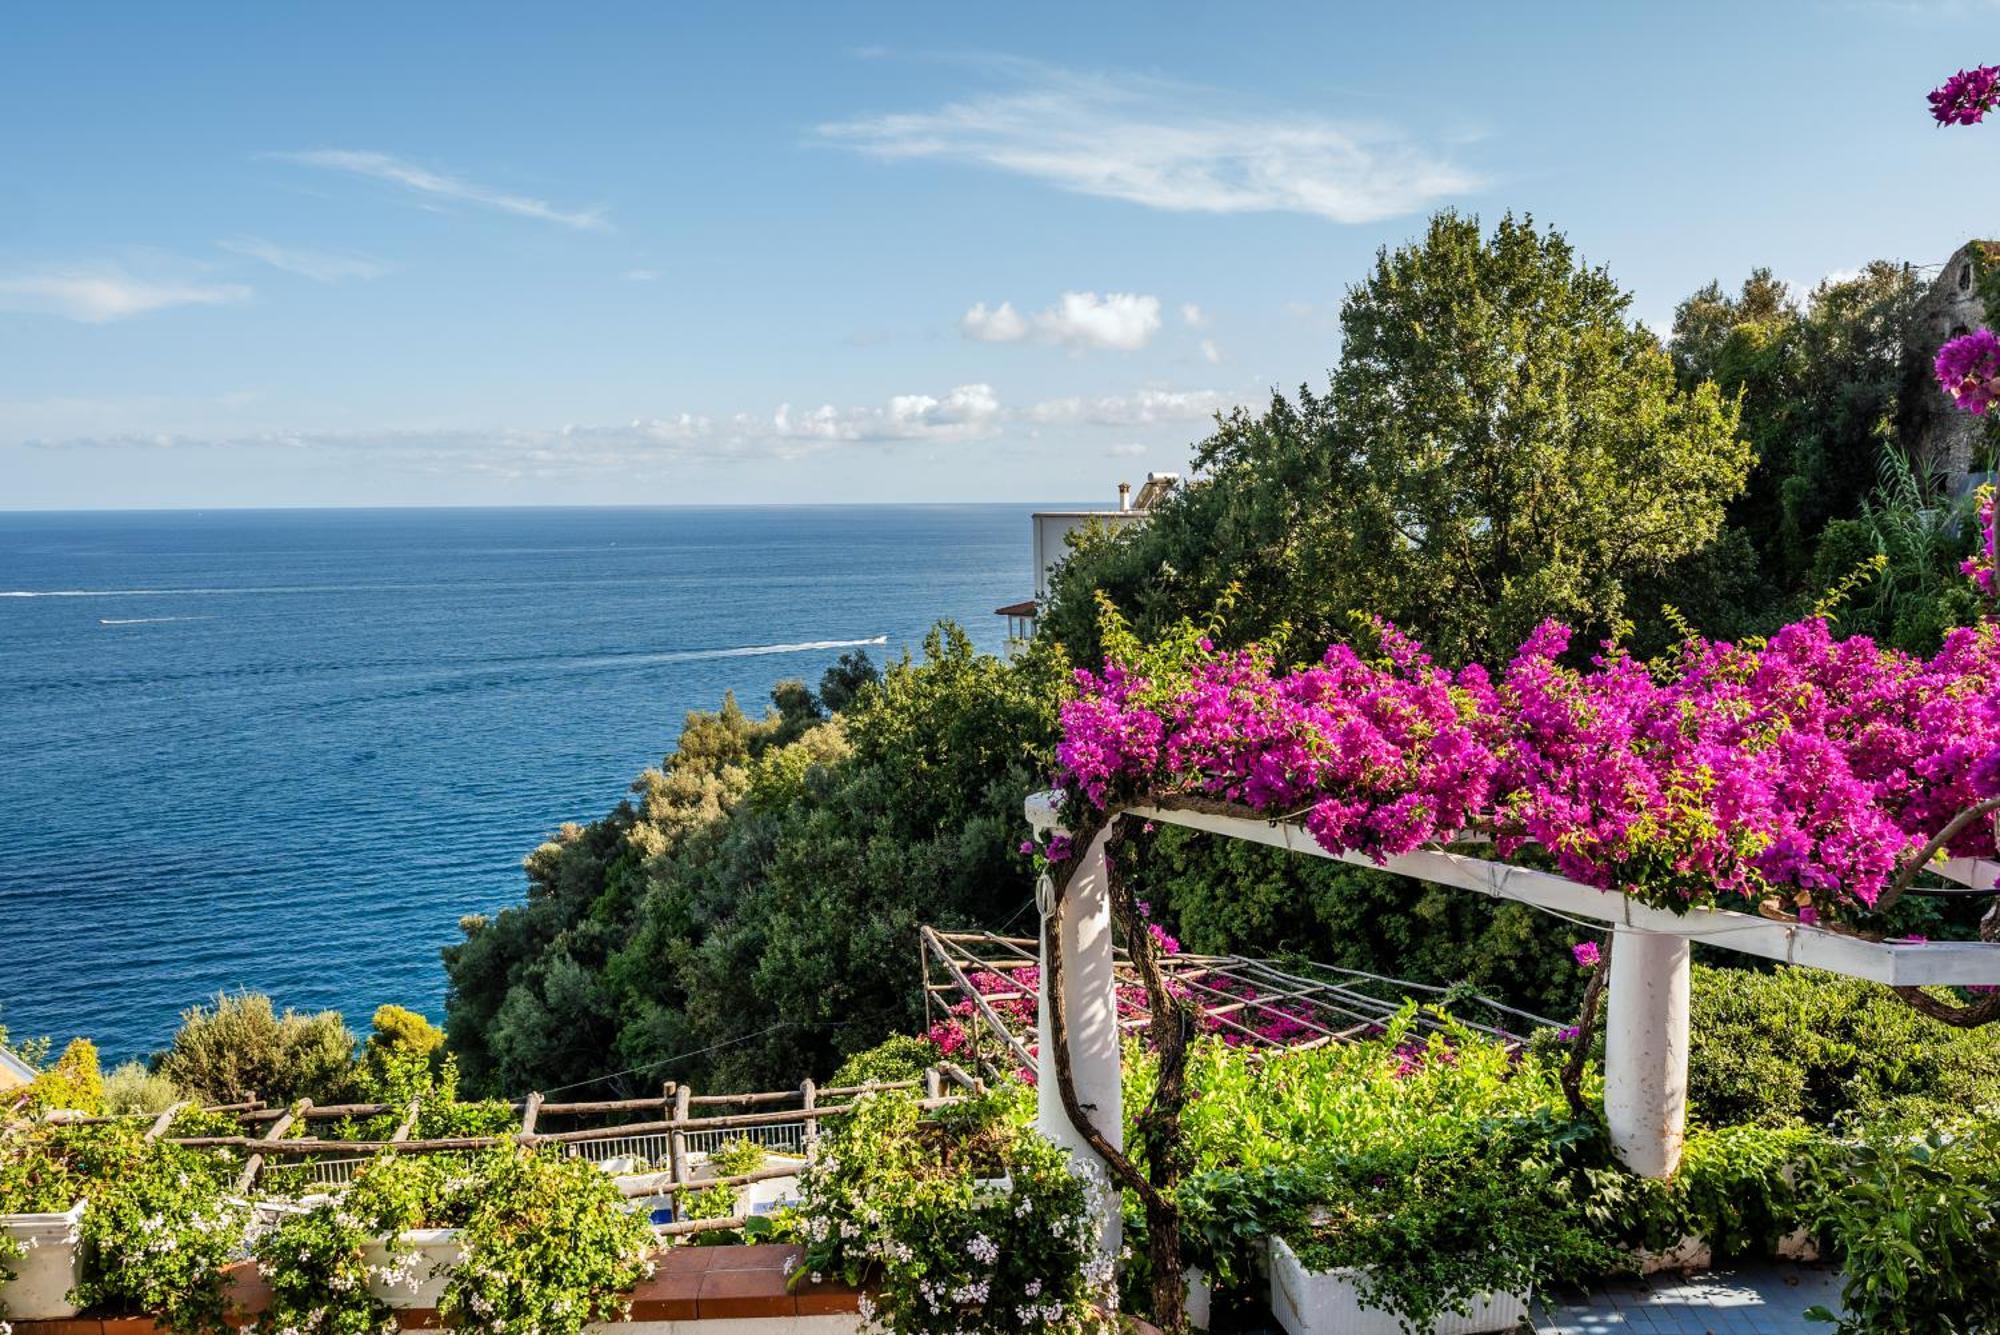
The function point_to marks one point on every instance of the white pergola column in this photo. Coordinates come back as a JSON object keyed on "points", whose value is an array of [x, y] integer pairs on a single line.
{"points": [[1089, 988], [1646, 1050]]}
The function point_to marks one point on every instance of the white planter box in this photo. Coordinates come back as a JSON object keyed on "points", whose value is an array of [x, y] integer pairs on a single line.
{"points": [[429, 1256], [48, 1270], [1690, 1253], [1328, 1302]]}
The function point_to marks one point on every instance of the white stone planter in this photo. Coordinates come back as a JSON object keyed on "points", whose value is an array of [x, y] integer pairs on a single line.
{"points": [[1328, 1302], [1690, 1253], [429, 1255], [48, 1270]]}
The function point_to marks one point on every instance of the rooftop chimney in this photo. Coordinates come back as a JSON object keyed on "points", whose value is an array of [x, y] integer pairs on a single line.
{"points": [[1124, 497]]}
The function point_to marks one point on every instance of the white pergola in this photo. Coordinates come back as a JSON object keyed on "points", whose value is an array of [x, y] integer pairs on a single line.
{"points": [[1645, 1012]]}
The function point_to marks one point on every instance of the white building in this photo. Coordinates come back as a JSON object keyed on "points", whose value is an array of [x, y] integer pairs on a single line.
{"points": [[1052, 529]]}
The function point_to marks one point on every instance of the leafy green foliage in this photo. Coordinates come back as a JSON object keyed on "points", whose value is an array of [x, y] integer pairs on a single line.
{"points": [[315, 1261], [1740, 1189], [898, 1057], [751, 914], [239, 1045], [157, 1227], [1500, 443], [131, 1088], [1442, 1163], [1914, 1221], [74, 1083], [965, 1220], [1798, 1046], [549, 1245]]}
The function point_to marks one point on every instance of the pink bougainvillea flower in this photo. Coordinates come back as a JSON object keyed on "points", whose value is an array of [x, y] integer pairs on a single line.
{"points": [[1966, 97], [1800, 770], [1968, 369], [1586, 954]]}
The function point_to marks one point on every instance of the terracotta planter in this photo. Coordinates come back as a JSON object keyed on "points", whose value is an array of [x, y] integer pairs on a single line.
{"points": [[1328, 1302], [48, 1270]]}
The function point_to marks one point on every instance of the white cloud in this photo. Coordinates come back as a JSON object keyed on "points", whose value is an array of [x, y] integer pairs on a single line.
{"points": [[1192, 317], [1123, 321], [319, 265], [641, 275], [1211, 352], [98, 294], [1167, 146], [1144, 407], [1130, 449], [1002, 324], [964, 413], [440, 185]]}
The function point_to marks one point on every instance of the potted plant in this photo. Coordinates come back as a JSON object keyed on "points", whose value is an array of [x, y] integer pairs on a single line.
{"points": [[906, 1204], [510, 1242], [99, 1217]]}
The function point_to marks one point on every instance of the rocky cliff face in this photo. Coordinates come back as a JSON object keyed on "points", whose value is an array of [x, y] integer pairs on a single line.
{"points": [[1943, 437]]}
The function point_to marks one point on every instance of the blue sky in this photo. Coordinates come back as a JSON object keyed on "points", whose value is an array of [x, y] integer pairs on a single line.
{"points": [[418, 254]]}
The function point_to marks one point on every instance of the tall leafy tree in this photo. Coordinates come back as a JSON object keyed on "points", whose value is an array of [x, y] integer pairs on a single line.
{"points": [[1500, 442]]}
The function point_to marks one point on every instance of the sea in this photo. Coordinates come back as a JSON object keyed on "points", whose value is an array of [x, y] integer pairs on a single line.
{"points": [[288, 750]]}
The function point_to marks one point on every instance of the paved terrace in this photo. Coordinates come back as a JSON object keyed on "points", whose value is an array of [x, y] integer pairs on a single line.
{"points": [[1733, 1300]]}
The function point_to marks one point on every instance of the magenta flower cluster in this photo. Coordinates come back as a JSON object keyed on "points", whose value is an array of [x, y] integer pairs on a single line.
{"points": [[1968, 369], [1796, 773], [1966, 97], [1586, 954]]}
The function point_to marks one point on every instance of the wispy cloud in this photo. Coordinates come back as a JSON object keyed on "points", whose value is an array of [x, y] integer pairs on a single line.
{"points": [[1167, 146], [960, 414], [319, 265], [1124, 321], [1140, 408], [641, 275], [442, 185], [101, 293]]}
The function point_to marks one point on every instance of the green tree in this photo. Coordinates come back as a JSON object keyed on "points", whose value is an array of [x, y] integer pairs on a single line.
{"points": [[1500, 443], [240, 1045]]}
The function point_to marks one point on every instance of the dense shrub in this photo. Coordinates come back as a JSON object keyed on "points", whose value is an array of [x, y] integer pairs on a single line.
{"points": [[898, 1057], [550, 1246], [911, 1205], [239, 1046], [157, 1228], [1798, 1046], [1443, 1162], [131, 1088], [1914, 1222], [74, 1082]]}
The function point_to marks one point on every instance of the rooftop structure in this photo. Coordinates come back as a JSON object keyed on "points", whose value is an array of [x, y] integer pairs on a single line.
{"points": [[1052, 535]]}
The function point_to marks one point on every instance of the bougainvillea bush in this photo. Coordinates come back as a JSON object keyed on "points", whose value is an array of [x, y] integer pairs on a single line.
{"points": [[958, 1221], [1794, 774]]}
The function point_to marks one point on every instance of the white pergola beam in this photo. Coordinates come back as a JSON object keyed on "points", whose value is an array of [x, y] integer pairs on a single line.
{"points": [[1936, 963]]}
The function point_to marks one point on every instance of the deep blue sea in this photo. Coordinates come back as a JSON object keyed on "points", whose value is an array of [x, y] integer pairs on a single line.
{"points": [[287, 750]]}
